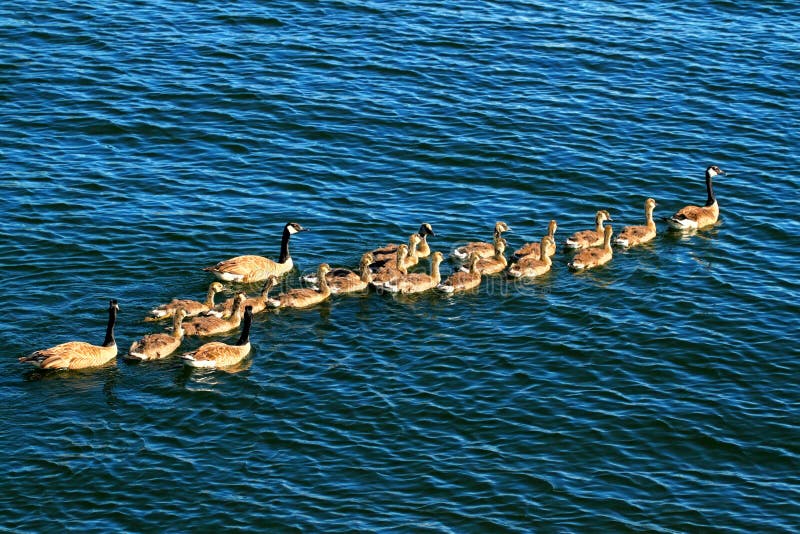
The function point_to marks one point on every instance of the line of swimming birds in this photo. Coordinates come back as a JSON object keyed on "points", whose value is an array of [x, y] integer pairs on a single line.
{"points": [[385, 269]]}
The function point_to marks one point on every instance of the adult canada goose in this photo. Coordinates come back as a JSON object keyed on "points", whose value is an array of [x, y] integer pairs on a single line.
{"points": [[496, 263], [218, 354], [590, 238], [191, 307], [529, 266], [79, 354], [693, 217], [630, 236], [157, 346], [463, 281], [224, 309], [346, 281], [418, 282], [392, 270], [257, 268], [595, 256], [211, 324], [483, 249], [532, 249], [304, 297]]}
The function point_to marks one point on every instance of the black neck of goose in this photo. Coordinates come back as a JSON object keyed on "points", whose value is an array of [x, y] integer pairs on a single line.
{"points": [[112, 318], [710, 188], [285, 246], [244, 338]]}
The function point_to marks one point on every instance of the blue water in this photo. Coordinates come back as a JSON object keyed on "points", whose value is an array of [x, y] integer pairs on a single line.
{"points": [[142, 141]]}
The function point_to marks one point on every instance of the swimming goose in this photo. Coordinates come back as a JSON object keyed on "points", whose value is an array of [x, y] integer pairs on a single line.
{"points": [[532, 249], [79, 354], [157, 346], [211, 324], [423, 250], [483, 249], [461, 281], [594, 257], [191, 307], [218, 354], [390, 259], [630, 236], [496, 263], [346, 281], [693, 217], [418, 282], [304, 297], [392, 270], [529, 266], [257, 268], [589, 238], [224, 309]]}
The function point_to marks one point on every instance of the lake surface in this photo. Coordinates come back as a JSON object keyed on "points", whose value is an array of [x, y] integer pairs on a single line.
{"points": [[142, 141]]}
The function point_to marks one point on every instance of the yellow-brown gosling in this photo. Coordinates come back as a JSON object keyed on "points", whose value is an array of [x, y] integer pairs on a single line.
{"points": [[594, 257], [693, 217], [191, 307], [392, 270], [418, 282], [532, 249], [496, 263], [218, 354], [161, 345], [79, 354], [346, 281], [463, 281], [259, 303], [257, 268], [589, 238], [210, 325], [483, 249], [630, 236], [530, 266], [304, 297], [389, 259]]}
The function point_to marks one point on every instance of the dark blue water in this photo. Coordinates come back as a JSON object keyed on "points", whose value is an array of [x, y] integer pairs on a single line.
{"points": [[142, 141]]}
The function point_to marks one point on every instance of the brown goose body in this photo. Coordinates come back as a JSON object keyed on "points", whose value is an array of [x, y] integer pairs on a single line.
{"points": [[594, 257], [259, 303], [346, 281], [530, 266], [211, 324], [252, 268], [79, 354], [393, 270], [589, 238], [161, 345], [532, 249], [630, 236], [695, 217], [463, 281], [304, 297], [418, 282], [481, 248], [496, 263], [217, 354], [191, 307]]}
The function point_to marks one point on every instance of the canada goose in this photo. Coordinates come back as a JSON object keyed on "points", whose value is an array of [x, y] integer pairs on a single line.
{"points": [[211, 324], [392, 270], [589, 238], [423, 250], [157, 346], [346, 281], [594, 257], [692, 217], [304, 297], [218, 354], [630, 236], [496, 263], [257, 268], [461, 281], [79, 354], [529, 266], [418, 282], [532, 249], [224, 309], [191, 307], [483, 249], [390, 259]]}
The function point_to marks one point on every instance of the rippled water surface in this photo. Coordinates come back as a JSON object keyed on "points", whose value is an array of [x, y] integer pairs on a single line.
{"points": [[142, 141]]}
